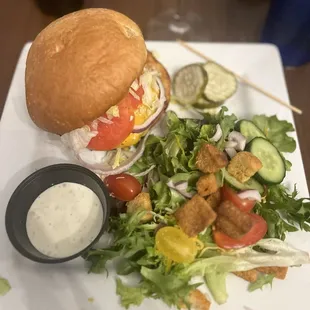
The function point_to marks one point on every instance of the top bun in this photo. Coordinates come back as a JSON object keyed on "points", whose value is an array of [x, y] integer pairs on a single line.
{"points": [[81, 65]]}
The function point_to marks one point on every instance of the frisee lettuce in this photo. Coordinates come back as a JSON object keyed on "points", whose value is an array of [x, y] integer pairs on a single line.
{"points": [[284, 212], [262, 280], [130, 295]]}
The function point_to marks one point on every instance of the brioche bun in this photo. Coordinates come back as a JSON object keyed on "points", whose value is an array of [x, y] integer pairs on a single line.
{"points": [[81, 65]]}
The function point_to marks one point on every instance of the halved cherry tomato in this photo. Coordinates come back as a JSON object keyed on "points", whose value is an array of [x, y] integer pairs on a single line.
{"points": [[123, 186], [245, 205], [112, 135], [256, 233]]}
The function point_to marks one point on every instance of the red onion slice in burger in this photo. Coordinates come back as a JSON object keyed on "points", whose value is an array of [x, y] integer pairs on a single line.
{"points": [[104, 169], [155, 116]]}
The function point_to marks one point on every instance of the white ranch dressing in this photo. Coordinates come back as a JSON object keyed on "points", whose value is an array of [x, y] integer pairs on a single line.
{"points": [[64, 219]]}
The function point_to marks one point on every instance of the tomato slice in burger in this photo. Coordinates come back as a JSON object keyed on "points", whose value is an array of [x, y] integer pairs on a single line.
{"points": [[135, 102], [111, 135], [256, 233], [245, 205]]}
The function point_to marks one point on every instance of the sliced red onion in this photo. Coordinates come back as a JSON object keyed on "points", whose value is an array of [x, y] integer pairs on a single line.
{"points": [[143, 173], [218, 133], [181, 188], [105, 169], [251, 194], [231, 144], [104, 120], [231, 152], [153, 118], [239, 138]]}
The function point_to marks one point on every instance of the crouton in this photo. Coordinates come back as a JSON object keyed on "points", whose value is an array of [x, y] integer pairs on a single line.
{"points": [[140, 203], [210, 159], [194, 216], [249, 275], [243, 166], [279, 272], [214, 199], [197, 301], [240, 219], [224, 225], [207, 184]]}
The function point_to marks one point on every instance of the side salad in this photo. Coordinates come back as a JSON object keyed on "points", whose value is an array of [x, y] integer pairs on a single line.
{"points": [[206, 199]]}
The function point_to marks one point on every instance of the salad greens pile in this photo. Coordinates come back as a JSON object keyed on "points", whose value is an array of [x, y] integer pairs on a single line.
{"points": [[167, 161]]}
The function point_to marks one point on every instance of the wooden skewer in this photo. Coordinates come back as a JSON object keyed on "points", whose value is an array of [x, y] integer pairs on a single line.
{"points": [[242, 79]]}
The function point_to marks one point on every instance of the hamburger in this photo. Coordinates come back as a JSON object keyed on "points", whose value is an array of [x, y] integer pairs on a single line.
{"points": [[91, 80]]}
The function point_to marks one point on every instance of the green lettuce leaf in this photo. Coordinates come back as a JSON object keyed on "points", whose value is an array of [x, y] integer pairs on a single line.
{"points": [[166, 283], [275, 253], [267, 252], [132, 241], [172, 288], [130, 295], [98, 259], [276, 132], [164, 197], [227, 125], [5, 286], [262, 280], [216, 282], [283, 212]]}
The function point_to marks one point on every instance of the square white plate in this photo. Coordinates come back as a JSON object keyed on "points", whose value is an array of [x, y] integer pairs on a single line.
{"points": [[24, 148]]}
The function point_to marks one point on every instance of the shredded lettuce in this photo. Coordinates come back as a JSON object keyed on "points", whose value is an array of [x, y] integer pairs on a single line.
{"points": [[113, 112]]}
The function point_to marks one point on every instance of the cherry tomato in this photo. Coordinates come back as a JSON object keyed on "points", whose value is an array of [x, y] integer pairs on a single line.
{"points": [[245, 205], [123, 186], [256, 233], [175, 245]]}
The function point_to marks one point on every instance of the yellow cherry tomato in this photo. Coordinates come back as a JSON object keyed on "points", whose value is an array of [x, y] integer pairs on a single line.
{"points": [[175, 245]]}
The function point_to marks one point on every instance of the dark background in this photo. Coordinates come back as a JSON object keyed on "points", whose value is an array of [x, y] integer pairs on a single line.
{"points": [[223, 20]]}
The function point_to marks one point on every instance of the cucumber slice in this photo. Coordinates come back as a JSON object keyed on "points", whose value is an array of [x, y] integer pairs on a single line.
{"points": [[273, 170], [249, 130], [188, 83], [250, 184], [206, 104], [221, 85]]}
